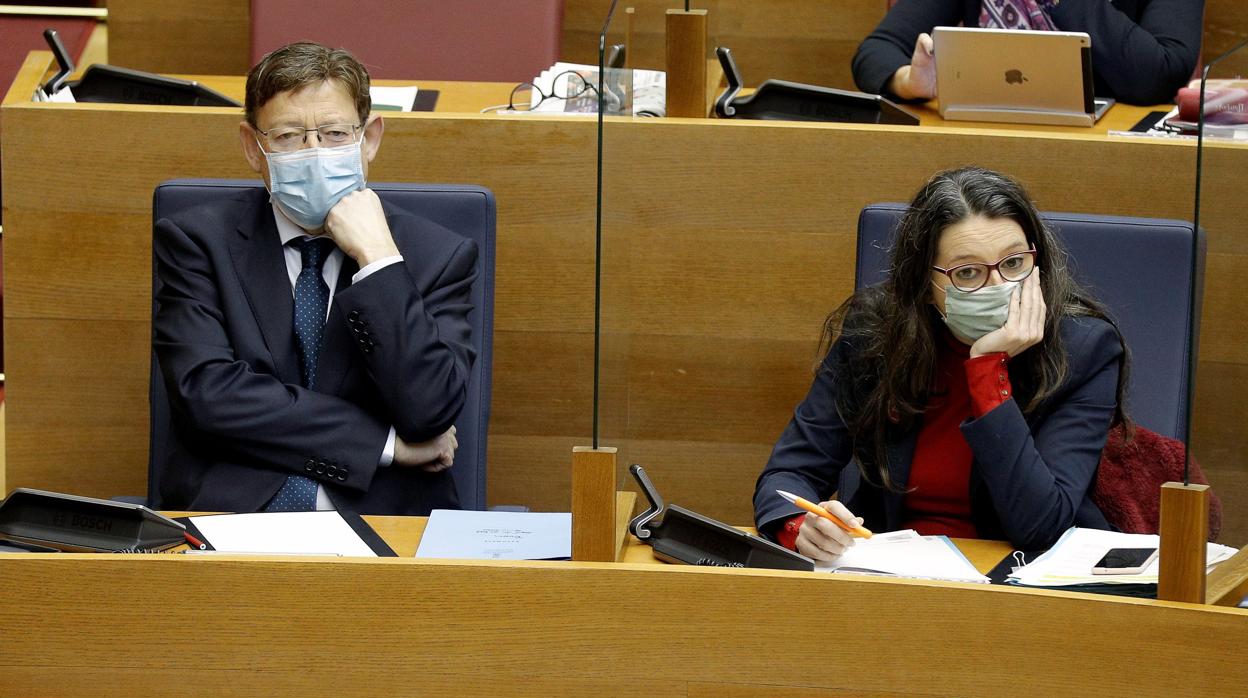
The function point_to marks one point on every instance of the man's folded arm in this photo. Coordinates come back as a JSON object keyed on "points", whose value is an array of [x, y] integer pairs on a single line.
{"points": [[417, 347], [256, 415]]}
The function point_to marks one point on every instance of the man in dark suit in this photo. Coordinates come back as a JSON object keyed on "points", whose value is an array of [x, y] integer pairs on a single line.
{"points": [[314, 342]]}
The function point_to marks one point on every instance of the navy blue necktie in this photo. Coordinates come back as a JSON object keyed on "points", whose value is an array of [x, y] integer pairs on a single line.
{"points": [[311, 303]]}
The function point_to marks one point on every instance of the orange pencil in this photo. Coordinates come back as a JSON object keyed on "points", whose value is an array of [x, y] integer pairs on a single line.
{"points": [[820, 511]]}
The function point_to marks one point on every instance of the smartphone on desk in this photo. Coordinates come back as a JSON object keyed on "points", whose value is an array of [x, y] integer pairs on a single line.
{"points": [[1125, 561]]}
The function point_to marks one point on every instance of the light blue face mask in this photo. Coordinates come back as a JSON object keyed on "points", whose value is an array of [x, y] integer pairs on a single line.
{"points": [[971, 315], [307, 183]]}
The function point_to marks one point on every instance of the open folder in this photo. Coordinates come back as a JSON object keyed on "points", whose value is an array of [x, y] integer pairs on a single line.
{"points": [[906, 554], [341, 533]]}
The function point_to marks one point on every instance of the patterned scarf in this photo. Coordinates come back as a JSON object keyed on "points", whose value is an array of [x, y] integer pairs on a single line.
{"points": [[1014, 14]]}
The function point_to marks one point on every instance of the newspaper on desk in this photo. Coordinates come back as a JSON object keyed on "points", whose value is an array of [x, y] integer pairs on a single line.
{"points": [[648, 90], [1069, 562]]}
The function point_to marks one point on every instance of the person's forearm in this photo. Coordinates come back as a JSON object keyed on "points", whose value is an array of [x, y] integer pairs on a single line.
{"points": [[1144, 61]]}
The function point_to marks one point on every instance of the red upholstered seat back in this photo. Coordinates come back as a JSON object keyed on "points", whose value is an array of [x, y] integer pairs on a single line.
{"points": [[477, 40]]}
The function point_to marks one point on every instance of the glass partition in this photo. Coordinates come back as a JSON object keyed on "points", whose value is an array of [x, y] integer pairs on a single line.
{"points": [[1216, 110]]}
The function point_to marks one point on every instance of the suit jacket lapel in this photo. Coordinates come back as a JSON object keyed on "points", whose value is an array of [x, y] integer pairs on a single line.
{"points": [[334, 362], [261, 267]]}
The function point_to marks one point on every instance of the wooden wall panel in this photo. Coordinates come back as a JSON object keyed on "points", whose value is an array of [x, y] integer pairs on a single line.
{"points": [[801, 40], [180, 36], [86, 625], [1226, 24], [808, 41], [725, 245]]}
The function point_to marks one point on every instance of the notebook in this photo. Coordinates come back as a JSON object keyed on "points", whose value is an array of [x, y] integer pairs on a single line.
{"points": [[1016, 76]]}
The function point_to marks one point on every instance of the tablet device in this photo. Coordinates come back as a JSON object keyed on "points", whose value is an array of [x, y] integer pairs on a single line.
{"points": [[1016, 76]]}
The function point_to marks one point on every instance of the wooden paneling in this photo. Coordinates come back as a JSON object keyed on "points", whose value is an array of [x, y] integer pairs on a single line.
{"points": [[171, 624], [725, 245], [1226, 24], [808, 41], [180, 36]]}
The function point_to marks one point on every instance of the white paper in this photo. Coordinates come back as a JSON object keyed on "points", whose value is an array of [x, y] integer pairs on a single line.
{"points": [[905, 554], [1071, 559], [401, 97], [63, 95], [294, 532], [497, 535]]}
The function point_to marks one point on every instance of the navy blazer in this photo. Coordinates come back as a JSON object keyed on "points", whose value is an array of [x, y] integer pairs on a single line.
{"points": [[396, 352], [1143, 51], [1031, 477]]}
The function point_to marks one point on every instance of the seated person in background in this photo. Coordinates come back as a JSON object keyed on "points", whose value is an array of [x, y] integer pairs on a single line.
{"points": [[314, 341], [968, 395], [1143, 51]]}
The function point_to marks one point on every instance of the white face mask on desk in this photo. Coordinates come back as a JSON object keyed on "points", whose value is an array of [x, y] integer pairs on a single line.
{"points": [[973, 314], [307, 183]]}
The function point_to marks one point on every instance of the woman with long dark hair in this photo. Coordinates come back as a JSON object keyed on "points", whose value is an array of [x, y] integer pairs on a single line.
{"points": [[968, 395]]}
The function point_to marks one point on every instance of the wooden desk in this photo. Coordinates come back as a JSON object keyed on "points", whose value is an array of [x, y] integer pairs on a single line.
{"points": [[171, 624], [725, 245]]}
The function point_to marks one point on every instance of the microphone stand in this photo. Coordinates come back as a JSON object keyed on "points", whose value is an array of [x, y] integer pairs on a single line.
{"points": [[1184, 526]]}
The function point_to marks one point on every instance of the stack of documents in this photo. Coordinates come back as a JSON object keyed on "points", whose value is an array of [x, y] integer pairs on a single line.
{"points": [[905, 554], [393, 98], [1069, 562]]}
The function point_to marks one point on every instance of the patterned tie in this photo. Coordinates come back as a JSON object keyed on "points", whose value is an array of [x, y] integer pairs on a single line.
{"points": [[311, 302]]}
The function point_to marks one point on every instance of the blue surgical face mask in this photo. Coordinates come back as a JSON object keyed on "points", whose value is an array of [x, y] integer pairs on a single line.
{"points": [[307, 183], [973, 314]]}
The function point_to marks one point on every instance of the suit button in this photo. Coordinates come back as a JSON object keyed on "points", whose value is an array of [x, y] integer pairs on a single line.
{"points": [[331, 471], [342, 476], [309, 465], [320, 467], [353, 315]]}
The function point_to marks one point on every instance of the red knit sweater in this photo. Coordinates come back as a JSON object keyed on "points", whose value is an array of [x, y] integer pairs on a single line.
{"points": [[938, 499]]}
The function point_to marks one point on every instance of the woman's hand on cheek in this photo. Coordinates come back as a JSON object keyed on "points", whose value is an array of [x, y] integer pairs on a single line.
{"points": [[1024, 328]]}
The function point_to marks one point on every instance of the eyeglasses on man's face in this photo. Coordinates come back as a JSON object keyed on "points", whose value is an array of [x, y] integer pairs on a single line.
{"points": [[284, 139], [972, 277]]}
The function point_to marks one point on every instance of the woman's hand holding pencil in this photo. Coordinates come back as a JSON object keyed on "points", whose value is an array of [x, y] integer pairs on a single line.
{"points": [[828, 529]]}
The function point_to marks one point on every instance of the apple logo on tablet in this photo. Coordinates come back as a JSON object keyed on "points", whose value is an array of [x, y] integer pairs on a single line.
{"points": [[1014, 77]]}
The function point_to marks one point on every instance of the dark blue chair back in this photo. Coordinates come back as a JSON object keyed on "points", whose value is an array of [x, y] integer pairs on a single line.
{"points": [[1140, 268], [467, 210]]}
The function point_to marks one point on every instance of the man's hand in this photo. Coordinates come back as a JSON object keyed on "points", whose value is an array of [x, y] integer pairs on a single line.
{"points": [[432, 456], [358, 226], [917, 80]]}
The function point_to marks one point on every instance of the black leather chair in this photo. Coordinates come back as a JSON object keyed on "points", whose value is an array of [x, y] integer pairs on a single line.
{"points": [[467, 210], [1140, 268]]}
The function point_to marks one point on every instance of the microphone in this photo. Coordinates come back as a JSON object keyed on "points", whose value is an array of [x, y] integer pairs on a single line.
{"points": [[602, 102], [1193, 308]]}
